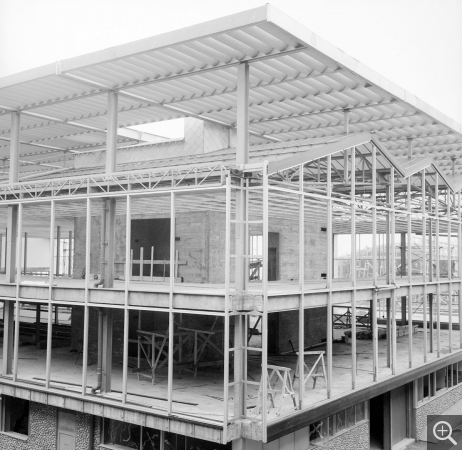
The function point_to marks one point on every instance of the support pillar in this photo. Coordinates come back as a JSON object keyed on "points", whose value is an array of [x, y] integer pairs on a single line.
{"points": [[5, 259], [12, 221], [389, 332], [242, 157], [111, 138], [58, 249], [69, 262], [346, 129], [25, 254], [403, 272], [111, 167], [430, 320], [1, 250], [403, 310], [110, 243], [11, 244], [106, 352], [8, 327], [37, 324]]}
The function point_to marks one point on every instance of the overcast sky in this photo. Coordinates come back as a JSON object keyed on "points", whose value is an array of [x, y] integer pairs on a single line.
{"points": [[415, 43]]}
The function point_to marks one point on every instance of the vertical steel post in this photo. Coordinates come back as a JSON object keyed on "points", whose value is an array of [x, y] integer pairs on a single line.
{"points": [[128, 230], [111, 139], [242, 122], [265, 305], [18, 282], [171, 317], [87, 292], [437, 257], [69, 256], [227, 308], [329, 276], [393, 269], [242, 157], [25, 254], [346, 130], [301, 274], [449, 263], [375, 343], [409, 268], [353, 268], [50, 295], [424, 269], [58, 251], [459, 262]]}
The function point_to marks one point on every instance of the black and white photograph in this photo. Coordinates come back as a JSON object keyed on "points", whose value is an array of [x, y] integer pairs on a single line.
{"points": [[230, 225]]}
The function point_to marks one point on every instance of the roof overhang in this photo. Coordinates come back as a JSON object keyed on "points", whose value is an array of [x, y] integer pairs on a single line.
{"points": [[300, 86]]}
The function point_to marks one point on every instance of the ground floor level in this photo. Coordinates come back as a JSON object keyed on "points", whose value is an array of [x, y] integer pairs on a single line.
{"points": [[391, 420]]}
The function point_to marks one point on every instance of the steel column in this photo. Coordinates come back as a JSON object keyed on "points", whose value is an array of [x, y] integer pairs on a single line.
{"points": [[111, 139]]}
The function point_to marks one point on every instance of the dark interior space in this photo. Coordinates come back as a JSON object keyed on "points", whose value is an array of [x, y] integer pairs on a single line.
{"points": [[148, 233], [376, 422]]}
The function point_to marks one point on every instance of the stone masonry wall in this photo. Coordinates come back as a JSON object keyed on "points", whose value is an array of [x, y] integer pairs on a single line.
{"points": [[96, 433], [42, 434], [435, 407], [43, 424], [356, 438], [202, 245]]}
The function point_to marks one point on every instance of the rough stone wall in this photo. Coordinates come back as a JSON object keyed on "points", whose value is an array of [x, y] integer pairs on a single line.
{"points": [[435, 406], [42, 430], [96, 432], [43, 424], [356, 438], [84, 435]]}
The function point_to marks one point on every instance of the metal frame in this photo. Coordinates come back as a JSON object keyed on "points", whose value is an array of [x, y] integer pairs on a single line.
{"points": [[273, 192]]}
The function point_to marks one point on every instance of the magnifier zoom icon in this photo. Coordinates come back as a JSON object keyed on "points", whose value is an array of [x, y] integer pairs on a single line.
{"points": [[442, 431]]}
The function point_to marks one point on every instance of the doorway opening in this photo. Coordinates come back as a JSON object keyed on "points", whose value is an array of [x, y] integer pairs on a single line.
{"points": [[376, 422]]}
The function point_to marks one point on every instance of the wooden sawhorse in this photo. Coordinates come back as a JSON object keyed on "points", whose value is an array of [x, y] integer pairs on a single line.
{"points": [[311, 372], [281, 374]]}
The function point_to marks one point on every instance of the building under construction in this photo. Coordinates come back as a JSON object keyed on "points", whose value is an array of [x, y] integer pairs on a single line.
{"points": [[285, 276]]}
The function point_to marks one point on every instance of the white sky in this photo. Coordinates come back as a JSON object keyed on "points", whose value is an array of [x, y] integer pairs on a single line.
{"points": [[415, 43]]}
